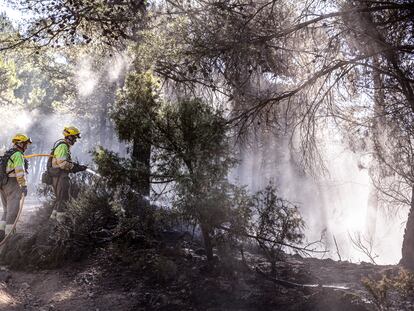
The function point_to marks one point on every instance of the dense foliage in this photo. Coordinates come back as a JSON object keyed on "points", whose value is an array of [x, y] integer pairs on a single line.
{"points": [[204, 77]]}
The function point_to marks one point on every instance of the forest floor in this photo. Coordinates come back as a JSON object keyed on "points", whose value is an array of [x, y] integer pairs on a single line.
{"points": [[178, 278], [104, 283]]}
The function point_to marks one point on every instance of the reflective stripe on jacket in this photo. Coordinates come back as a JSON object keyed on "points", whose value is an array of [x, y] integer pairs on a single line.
{"points": [[62, 157], [15, 168]]}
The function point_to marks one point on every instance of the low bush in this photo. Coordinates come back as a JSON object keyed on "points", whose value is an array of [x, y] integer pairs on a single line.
{"points": [[392, 291], [89, 223]]}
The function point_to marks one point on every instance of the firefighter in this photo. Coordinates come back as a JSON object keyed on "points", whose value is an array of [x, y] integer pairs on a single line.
{"points": [[15, 185], [59, 168]]}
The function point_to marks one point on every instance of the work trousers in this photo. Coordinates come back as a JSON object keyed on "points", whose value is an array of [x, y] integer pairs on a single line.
{"points": [[61, 188], [11, 193]]}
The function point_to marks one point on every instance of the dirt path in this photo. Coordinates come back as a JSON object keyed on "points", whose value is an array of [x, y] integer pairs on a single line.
{"points": [[86, 286], [89, 285]]}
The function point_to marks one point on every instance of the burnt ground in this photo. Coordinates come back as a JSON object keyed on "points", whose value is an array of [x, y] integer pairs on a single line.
{"points": [[178, 278], [184, 282]]}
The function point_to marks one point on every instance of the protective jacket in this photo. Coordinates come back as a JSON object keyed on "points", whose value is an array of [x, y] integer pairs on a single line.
{"points": [[62, 158], [59, 167], [11, 191], [16, 167]]}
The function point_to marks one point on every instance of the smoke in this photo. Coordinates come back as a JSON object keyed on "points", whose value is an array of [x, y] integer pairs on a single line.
{"points": [[13, 120], [89, 111], [85, 76], [92, 71], [335, 205], [117, 66]]}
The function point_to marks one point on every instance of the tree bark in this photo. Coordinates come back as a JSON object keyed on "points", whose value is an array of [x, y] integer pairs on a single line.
{"points": [[141, 155], [207, 242], [407, 259]]}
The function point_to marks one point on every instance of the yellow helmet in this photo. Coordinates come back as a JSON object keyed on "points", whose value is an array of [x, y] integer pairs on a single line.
{"points": [[21, 138], [71, 131]]}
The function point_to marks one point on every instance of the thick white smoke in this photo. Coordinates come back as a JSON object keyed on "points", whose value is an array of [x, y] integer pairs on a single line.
{"points": [[90, 71], [335, 205]]}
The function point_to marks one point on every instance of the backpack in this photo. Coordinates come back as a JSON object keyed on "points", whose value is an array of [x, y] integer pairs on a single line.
{"points": [[52, 171], [4, 177]]}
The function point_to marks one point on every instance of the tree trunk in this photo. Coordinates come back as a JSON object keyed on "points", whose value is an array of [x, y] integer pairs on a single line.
{"points": [[141, 155], [207, 242], [407, 259]]}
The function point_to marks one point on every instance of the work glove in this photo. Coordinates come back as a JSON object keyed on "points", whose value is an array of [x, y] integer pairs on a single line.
{"points": [[78, 168], [24, 191]]}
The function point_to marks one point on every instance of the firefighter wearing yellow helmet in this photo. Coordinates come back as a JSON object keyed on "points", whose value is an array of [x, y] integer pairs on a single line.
{"points": [[13, 183], [59, 167]]}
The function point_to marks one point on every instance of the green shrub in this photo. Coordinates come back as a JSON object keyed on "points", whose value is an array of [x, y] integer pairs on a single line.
{"points": [[90, 221], [275, 223], [391, 292]]}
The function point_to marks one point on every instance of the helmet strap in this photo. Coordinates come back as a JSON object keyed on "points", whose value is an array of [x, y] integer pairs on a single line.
{"points": [[20, 146], [70, 139]]}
